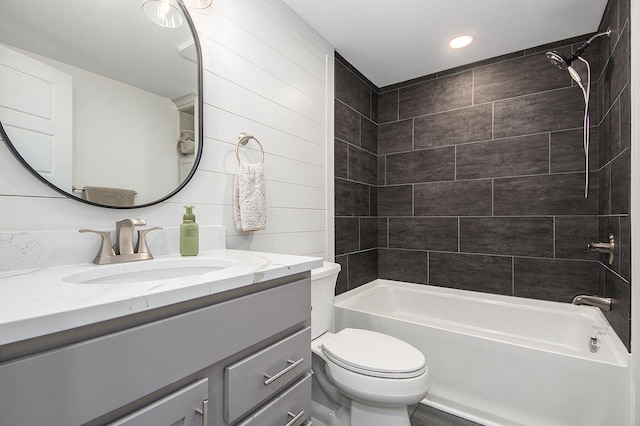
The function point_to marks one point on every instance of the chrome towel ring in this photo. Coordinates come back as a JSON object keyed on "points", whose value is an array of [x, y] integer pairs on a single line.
{"points": [[243, 139]]}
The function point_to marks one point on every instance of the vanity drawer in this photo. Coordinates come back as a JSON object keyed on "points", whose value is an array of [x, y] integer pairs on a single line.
{"points": [[252, 380], [291, 408]]}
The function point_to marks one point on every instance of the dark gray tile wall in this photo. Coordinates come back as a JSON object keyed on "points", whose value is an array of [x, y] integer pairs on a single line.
{"points": [[614, 163], [477, 177], [356, 176]]}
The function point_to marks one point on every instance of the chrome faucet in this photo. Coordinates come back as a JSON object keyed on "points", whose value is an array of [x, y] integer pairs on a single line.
{"points": [[123, 250], [597, 301], [124, 234], [605, 247]]}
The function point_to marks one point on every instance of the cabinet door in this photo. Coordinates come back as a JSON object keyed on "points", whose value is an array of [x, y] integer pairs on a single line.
{"points": [[186, 407]]}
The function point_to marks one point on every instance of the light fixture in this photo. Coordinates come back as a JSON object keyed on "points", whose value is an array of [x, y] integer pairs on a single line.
{"points": [[197, 4], [458, 42], [165, 13]]}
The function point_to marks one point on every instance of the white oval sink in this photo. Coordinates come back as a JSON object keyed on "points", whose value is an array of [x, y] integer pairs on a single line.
{"points": [[150, 270]]}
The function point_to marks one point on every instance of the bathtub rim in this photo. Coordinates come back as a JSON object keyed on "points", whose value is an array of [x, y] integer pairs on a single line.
{"points": [[594, 316]]}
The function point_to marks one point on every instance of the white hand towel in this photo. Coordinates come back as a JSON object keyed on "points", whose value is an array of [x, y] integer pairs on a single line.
{"points": [[249, 199]]}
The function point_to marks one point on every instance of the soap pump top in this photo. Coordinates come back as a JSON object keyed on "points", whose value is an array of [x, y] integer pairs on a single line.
{"points": [[189, 216]]}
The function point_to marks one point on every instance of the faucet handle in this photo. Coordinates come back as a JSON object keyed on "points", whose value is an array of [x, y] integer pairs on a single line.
{"points": [[106, 249], [141, 246]]}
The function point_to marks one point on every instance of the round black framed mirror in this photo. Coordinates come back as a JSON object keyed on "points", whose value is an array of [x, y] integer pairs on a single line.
{"points": [[100, 103]]}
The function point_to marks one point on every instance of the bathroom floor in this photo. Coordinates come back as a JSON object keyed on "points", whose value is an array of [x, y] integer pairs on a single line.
{"points": [[427, 416]]}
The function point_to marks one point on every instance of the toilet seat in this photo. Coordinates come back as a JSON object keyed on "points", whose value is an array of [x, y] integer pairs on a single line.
{"points": [[374, 354]]}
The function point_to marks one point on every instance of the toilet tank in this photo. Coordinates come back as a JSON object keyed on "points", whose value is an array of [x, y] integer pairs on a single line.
{"points": [[323, 287]]}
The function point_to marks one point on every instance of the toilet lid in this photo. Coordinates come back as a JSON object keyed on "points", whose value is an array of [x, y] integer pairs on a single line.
{"points": [[374, 354]]}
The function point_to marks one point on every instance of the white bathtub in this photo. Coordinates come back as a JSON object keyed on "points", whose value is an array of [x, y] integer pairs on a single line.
{"points": [[500, 360]]}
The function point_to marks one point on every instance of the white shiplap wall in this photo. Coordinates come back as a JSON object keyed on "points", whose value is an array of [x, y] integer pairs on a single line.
{"points": [[266, 73]]}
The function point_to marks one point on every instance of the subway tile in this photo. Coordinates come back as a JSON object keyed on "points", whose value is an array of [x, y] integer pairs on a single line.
{"points": [[395, 137], [516, 77], [604, 190], [403, 265], [453, 127], [347, 124], [363, 166], [610, 21], [523, 155], [625, 119], [572, 234], [363, 268], [620, 183], [382, 161], [421, 166], [388, 106], [436, 95], [374, 106], [552, 279], [368, 135], [351, 198], [616, 73], [567, 150], [624, 12], [519, 236], [489, 274], [408, 83], [352, 90], [461, 198], [373, 201], [624, 247], [557, 194], [383, 228], [340, 159], [540, 112], [342, 283], [346, 235], [368, 233], [609, 225], [610, 130], [620, 314], [395, 201], [424, 233]]}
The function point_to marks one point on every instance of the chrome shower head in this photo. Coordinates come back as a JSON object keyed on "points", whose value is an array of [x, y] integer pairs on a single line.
{"points": [[559, 60]]}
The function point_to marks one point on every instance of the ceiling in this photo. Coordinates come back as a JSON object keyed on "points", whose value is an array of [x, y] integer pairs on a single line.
{"points": [[394, 41]]}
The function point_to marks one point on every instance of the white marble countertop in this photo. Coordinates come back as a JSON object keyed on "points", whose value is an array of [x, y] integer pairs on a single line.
{"points": [[35, 303]]}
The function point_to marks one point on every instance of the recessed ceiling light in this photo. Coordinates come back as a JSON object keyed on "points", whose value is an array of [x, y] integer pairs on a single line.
{"points": [[460, 41]]}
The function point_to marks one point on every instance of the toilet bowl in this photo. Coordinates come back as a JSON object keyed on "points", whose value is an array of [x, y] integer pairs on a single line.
{"points": [[376, 375]]}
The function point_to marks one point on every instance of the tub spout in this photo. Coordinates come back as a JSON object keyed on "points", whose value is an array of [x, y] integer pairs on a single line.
{"points": [[597, 301]]}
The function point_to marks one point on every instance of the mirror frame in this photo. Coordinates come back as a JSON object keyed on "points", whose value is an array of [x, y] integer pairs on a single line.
{"points": [[200, 141]]}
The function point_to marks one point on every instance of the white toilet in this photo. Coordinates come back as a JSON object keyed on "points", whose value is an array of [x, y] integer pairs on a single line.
{"points": [[373, 376]]}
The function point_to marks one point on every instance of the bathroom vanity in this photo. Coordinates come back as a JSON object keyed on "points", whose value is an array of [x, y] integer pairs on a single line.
{"points": [[229, 347]]}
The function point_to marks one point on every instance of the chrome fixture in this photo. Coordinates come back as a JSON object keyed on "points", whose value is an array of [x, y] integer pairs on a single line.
{"points": [[123, 250], [594, 344], [168, 13], [604, 247], [564, 63], [165, 13], [597, 301]]}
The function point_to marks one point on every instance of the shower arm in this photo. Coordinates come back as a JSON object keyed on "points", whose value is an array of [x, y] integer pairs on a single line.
{"points": [[588, 43]]}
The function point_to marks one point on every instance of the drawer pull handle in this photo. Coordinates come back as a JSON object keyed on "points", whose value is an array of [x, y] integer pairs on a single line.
{"points": [[204, 412], [271, 379], [295, 418]]}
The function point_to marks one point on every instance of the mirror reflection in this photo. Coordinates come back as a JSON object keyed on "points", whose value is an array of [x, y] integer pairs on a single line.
{"points": [[98, 100]]}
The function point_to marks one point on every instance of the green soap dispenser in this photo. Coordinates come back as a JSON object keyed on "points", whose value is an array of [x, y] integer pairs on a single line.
{"points": [[189, 237]]}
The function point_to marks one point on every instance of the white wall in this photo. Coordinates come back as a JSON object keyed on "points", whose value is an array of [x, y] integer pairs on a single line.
{"points": [[265, 74]]}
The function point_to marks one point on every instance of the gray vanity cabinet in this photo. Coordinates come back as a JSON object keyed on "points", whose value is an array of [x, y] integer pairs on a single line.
{"points": [[242, 359]]}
